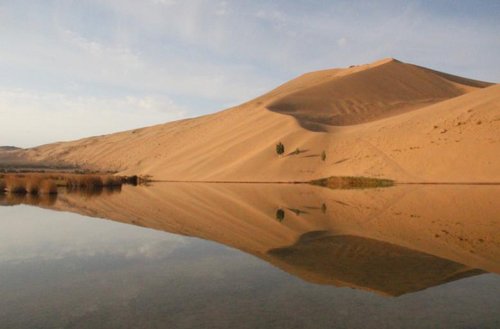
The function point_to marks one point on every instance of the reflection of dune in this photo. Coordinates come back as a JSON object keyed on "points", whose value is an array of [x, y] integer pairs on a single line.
{"points": [[392, 240], [367, 264]]}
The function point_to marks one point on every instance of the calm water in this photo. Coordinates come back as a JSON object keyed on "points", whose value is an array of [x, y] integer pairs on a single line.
{"points": [[298, 257]]}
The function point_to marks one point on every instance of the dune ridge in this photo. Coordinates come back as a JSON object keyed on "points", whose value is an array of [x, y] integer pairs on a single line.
{"points": [[385, 119], [365, 93]]}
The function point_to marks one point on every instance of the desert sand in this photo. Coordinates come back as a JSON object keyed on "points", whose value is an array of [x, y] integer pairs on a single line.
{"points": [[385, 119], [390, 241]]}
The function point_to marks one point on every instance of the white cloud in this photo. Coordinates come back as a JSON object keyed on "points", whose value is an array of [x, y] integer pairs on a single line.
{"points": [[210, 54], [163, 2], [32, 118], [342, 42], [30, 233], [222, 8], [272, 15]]}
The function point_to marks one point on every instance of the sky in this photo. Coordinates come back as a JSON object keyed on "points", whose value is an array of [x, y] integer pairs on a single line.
{"points": [[72, 69]]}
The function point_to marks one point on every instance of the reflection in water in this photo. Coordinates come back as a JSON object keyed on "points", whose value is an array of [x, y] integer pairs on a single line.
{"points": [[49, 199], [365, 263], [389, 241], [94, 191], [42, 200]]}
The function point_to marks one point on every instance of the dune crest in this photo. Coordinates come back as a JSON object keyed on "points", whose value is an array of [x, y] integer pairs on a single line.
{"points": [[365, 93], [385, 119]]}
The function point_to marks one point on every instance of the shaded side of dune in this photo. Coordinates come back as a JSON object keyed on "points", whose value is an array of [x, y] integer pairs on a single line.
{"points": [[366, 93], [365, 263]]}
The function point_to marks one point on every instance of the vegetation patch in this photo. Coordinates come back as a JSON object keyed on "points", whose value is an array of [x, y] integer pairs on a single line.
{"points": [[38, 183], [323, 155], [280, 215], [280, 148], [15, 185], [352, 182]]}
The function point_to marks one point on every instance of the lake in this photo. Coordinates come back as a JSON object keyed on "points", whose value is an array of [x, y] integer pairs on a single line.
{"points": [[178, 255]]}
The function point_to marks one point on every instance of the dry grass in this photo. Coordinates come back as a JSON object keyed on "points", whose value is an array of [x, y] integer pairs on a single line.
{"points": [[39, 183], [12, 199], [111, 180], [84, 182], [15, 184], [32, 184], [48, 186], [92, 181], [134, 180], [39, 199]]}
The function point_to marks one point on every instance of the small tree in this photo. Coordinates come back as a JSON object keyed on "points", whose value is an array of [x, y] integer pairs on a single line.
{"points": [[280, 215], [323, 155], [280, 148], [323, 208]]}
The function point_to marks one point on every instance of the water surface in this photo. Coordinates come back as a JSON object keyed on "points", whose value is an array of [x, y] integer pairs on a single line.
{"points": [[252, 256]]}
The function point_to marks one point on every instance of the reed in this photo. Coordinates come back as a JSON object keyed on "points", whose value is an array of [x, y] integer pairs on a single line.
{"points": [[111, 181], [48, 186], [84, 182], [13, 199], [32, 183], [47, 183], [15, 184], [46, 200]]}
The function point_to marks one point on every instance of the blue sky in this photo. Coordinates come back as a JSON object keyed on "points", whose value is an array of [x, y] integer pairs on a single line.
{"points": [[71, 69]]}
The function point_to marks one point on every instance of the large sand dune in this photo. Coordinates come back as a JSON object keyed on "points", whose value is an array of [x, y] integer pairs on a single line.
{"points": [[364, 93], [385, 119]]}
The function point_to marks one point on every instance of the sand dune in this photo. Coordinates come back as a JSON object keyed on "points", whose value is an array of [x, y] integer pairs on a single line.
{"points": [[385, 119], [364, 93], [393, 241]]}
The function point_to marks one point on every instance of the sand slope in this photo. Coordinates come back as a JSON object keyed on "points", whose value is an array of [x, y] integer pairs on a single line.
{"points": [[364, 93], [385, 119]]}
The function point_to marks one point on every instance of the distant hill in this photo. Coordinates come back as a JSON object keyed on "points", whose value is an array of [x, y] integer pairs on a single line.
{"points": [[9, 148], [384, 119]]}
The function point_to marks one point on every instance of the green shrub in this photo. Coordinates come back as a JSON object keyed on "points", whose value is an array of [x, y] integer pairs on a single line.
{"points": [[323, 208], [280, 148], [280, 215]]}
